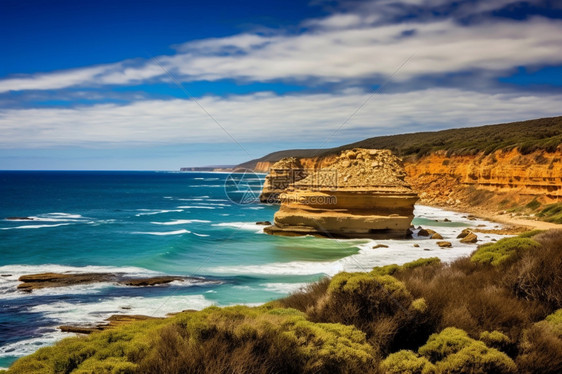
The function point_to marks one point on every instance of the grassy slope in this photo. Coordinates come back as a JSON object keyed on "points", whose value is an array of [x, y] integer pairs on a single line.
{"points": [[544, 133], [498, 311]]}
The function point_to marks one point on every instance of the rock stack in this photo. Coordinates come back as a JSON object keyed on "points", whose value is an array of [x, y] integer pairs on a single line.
{"points": [[361, 193], [282, 174]]}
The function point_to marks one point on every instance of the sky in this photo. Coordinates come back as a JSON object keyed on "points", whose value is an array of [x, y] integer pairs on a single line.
{"points": [[158, 85]]}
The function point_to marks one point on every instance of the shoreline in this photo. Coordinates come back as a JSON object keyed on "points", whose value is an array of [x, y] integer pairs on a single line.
{"points": [[514, 222]]}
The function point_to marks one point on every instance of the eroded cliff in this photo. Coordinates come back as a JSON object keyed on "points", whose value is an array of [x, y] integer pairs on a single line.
{"points": [[497, 181], [357, 193]]}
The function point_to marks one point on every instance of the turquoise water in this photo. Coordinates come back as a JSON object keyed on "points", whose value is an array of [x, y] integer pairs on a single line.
{"points": [[151, 223], [137, 223]]}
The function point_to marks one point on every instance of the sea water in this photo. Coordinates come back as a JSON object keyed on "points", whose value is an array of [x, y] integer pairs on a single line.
{"points": [[142, 224]]}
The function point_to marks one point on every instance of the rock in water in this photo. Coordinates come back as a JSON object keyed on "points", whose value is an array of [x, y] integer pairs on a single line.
{"points": [[463, 233], [423, 232], [444, 244], [380, 246], [470, 238], [360, 193]]}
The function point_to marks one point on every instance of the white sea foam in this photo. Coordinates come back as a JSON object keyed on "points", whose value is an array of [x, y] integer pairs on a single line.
{"points": [[35, 226], [206, 203], [91, 313], [153, 212], [73, 313], [202, 235], [28, 346], [241, 226], [398, 251], [284, 288], [198, 207], [177, 232], [181, 222], [282, 268]]}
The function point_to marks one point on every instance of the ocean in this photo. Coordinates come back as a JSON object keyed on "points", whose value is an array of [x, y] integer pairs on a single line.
{"points": [[143, 224]]}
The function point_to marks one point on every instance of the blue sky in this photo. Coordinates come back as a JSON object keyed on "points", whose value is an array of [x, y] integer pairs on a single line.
{"points": [[160, 85]]}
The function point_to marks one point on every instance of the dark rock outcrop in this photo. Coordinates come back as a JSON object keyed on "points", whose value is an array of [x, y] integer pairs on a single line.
{"points": [[113, 321], [47, 280]]}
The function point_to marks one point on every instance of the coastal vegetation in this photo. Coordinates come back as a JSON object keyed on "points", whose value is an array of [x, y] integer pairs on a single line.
{"points": [[527, 136], [497, 311]]}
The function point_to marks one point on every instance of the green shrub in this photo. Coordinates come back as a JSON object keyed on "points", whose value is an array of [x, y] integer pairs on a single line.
{"points": [[419, 305], [541, 346], [555, 322], [552, 213], [407, 362], [502, 250], [530, 234], [477, 358], [236, 339], [421, 262], [533, 204], [498, 340], [449, 341], [386, 270]]}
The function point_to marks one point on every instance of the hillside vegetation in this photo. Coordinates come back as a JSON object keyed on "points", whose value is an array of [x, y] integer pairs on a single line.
{"points": [[527, 136], [498, 311]]}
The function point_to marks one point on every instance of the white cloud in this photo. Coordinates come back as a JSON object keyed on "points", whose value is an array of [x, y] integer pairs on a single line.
{"points": [[265, 116], [338, 48]]}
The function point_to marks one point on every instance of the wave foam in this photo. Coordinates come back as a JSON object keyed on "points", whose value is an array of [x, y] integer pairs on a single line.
{"points": [[35, 226], [198, 207], [181, 222], [177, 232], [151, 213]]}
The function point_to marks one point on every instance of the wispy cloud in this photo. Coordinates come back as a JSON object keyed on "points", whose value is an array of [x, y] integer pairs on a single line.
{"points": [[263, 116], [339, 48]]}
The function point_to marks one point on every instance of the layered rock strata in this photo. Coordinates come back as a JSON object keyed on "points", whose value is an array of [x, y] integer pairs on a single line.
{"points": [[282, 174], [359, 193], [492, 181]]}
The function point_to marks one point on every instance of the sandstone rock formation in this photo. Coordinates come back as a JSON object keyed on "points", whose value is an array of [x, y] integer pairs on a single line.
{"points": [[281, 175], [359, 193], [491, 182]]}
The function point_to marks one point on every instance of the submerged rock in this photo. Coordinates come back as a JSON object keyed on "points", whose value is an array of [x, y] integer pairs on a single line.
{"points": [[263, 223], [44, 280], [154, 281], [50, 280]]}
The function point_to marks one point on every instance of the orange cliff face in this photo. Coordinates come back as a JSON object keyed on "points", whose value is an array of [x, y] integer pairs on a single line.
{"points": [[490, 181], [508, 177]]}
